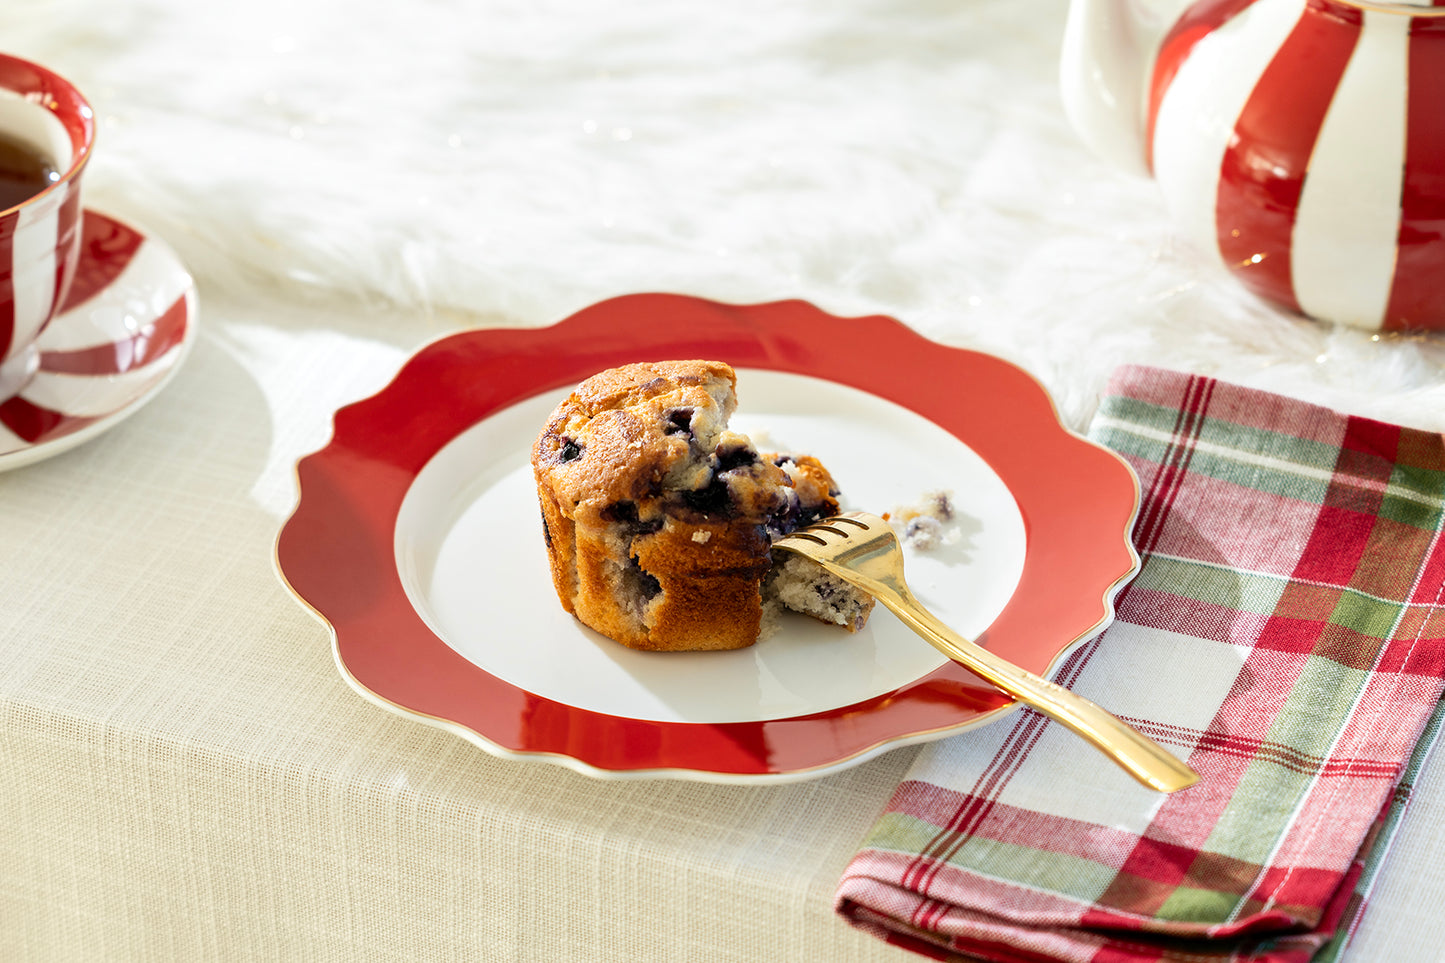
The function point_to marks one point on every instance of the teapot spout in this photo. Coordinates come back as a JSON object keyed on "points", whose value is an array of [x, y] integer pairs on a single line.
{"points": [[1108, 53]]}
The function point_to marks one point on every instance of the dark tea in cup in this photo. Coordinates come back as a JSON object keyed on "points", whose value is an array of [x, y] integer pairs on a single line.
{"points": [[24, 171]]}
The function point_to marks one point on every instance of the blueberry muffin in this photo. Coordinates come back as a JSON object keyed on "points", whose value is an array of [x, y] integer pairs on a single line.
{"points": [[659, 520]]}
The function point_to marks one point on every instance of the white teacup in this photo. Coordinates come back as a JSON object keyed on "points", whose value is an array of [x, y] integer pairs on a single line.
{"points": [[44, 120]]}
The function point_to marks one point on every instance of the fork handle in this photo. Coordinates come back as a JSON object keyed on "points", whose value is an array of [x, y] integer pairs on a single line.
{"points": [[1140, 756]]}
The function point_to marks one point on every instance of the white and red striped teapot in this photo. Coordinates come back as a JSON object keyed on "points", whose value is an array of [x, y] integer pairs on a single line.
{"points": [[1302, 141]]}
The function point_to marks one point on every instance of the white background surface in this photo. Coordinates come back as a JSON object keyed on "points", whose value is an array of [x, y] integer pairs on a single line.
{"points": [[187, 775]]}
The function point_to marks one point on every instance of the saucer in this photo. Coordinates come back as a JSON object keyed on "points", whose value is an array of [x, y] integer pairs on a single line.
{"points": [[127, 324]]}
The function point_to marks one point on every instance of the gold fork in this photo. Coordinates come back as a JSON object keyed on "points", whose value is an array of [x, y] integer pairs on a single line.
{"points": [[862, 549]]}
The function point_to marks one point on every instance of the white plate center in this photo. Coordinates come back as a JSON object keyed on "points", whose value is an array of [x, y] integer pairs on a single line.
{"points": [[471, 557]]}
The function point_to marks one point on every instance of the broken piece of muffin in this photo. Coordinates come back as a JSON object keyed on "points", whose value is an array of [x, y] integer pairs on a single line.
{"points": [[659, 520]]}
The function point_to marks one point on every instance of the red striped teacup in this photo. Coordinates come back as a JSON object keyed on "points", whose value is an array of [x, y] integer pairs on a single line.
{"points": [[41, 114]]}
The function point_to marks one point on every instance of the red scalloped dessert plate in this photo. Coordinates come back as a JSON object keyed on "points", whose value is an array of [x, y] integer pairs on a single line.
{"points": [[417, 540]]}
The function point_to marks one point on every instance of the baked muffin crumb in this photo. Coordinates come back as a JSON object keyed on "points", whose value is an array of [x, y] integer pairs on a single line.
{"points": [[804, 586], [927, 525]]}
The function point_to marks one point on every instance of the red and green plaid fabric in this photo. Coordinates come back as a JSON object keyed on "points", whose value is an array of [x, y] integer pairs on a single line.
{"points": [[1285, 635]]}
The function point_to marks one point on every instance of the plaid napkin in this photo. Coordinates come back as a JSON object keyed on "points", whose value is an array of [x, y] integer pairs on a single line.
{"points": [[1285, 636]]}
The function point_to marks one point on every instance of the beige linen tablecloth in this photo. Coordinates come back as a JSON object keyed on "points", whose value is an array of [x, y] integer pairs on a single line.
{"points": [[184, 774]]}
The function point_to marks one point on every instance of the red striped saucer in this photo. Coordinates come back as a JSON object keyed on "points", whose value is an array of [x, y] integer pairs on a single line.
{"points": [[127, 324]]}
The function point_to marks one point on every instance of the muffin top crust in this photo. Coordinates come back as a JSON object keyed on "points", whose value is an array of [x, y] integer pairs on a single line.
{"points": [[632, 432]]}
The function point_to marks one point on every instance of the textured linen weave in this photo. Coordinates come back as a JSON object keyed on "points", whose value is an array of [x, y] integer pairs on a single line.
{"points": [[1283, 635]]}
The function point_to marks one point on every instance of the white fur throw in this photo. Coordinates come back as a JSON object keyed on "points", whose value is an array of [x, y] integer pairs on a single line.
{"points": [[502, 161]]}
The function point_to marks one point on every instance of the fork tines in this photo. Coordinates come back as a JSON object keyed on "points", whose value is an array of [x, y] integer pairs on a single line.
{"points": [[829, 525]]}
